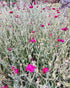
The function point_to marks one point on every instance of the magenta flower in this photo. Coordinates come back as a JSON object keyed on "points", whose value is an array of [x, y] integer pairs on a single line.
{"points": [[33, 31], [64, 29], [5, 86], [59, 8], [16, 71], [1, 2], [9, 4], [31, 6], [13, 68], [45, 70], [60, 40], [49, 15], [17, 16], [48, 23], [18, 8], [31, 22], [32, 58], [10, 49], [32, 40], [58, 12], [42, 25], [53, 8], [34, 3], [15, 21], [30, 68], [23, 8], [48, 8], [37, 6], [50, 34], [2, 87], [56, 46], [11, 12], [14, 3], [10, 26], [55, 16], [43, 8]]}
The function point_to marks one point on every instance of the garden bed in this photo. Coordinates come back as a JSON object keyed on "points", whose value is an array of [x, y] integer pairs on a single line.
{"points": [[34, 47]]}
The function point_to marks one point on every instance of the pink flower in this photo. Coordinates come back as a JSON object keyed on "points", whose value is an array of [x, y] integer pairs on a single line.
{"points": [[16, 71], [1, 2], [30, 6], [15, 21], [32, 58], [0, 13], [45, 70], [30, 68], [53, 8], [32, 40], [42, 25], [53, 13], [9, 4], [11, 12], [60, 40], [23, 8], [59, 8], [56, 45], [43, 8], [34, 3], [17, 16], [49, 15], [10, 26], [18, 8], [55, 16], [45, 1], [37, 6], [48, 23], [10, 49], [2, 87], [31, 22], [13, 68], [12, 29], [58, 12], [48, 8], [33, 31], [64, 29], [14, 3], [50, 34], [5, 86]]}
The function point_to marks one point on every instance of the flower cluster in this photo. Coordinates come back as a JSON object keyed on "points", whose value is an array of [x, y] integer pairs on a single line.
{"points": [[64, 29], [33, 40], [60, 40], [16, 71]]}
